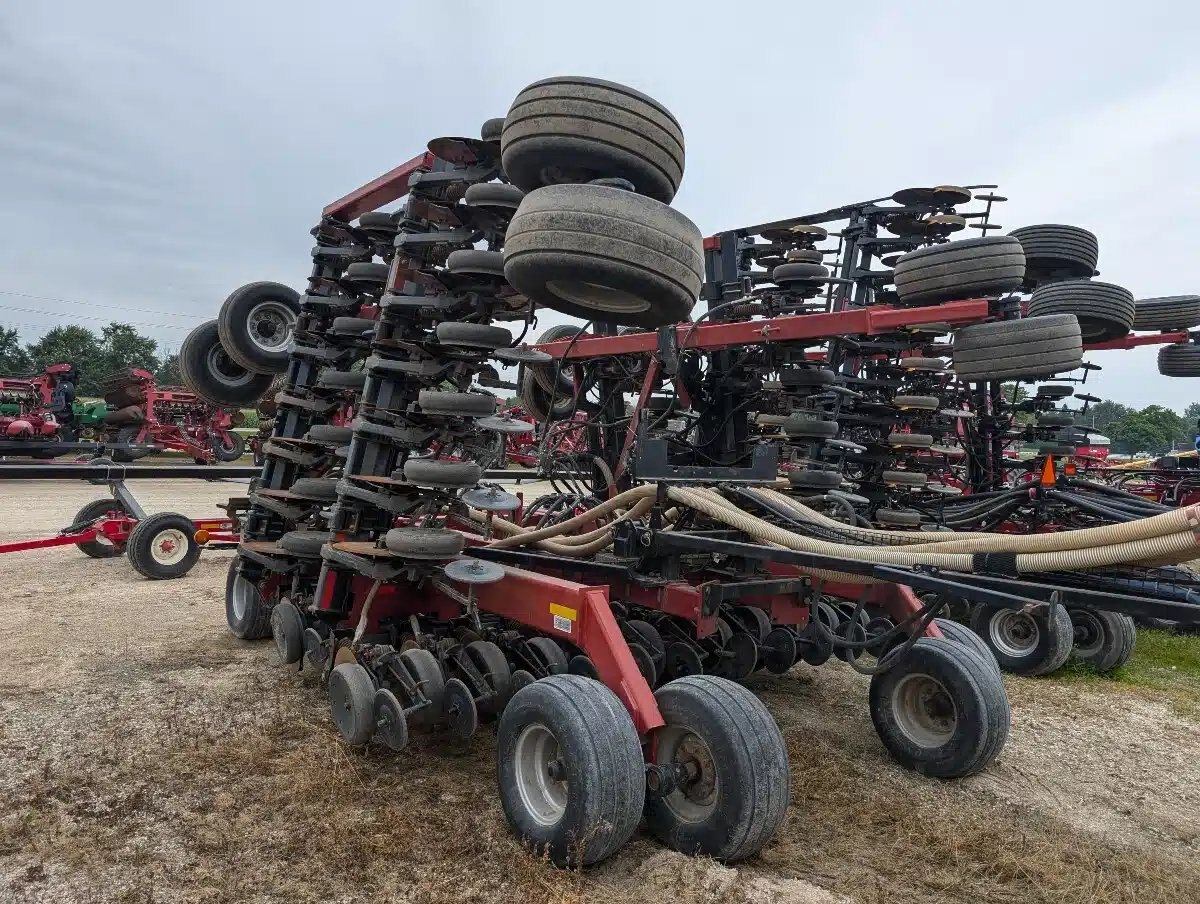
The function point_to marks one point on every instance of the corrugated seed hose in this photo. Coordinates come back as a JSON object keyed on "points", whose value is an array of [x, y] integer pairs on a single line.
{"points": [[1166, 538]]}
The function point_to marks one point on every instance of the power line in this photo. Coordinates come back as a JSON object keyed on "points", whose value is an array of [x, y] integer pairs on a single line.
{"points": [[96, 304], [54, 314]]}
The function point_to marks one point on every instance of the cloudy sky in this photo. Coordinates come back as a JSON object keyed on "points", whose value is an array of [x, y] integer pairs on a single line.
{"points": [[152, 159]]}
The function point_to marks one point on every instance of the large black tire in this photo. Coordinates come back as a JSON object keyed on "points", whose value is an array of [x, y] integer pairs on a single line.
{"points": [[247, 615], [941, 710], [1007, 349], [740, 795], [1104, 311], [989, 265], [1179, 360], [571, 770], [536, 399], [98, 549], [961, 634], [229, 447], [1170, 312], [210, 372], [127, 436], [256, 324], [1104, 640], [130, 414], [574, 129], [550, 375], [601, 253], [1054, 251], [163, 546], [1029, 644]]}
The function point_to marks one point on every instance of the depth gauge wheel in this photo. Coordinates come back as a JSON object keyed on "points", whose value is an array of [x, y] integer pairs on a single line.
{"points": [[570, 769], [352, 701], [732, 780], [248, 616], [163, 546]]}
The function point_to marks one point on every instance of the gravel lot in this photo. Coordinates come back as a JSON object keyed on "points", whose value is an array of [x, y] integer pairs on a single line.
{"points": [[147, 755]]}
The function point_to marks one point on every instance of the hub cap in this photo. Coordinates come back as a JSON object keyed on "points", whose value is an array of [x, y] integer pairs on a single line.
{"points": [[1014, 633], [540, 775], [222, 366], [270, 325], [169, 547], [924, 711], [695, 797]]}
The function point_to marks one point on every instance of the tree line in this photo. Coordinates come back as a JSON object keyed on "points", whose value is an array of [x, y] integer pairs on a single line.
{"points": [[117, 347]]}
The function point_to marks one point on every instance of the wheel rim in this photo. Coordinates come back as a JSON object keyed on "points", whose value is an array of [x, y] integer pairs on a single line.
{"points": [[1014, 633], [1089, 633], [924, 711], [596, 297], [540, 775], [224, 367], [169, 546], [242, 596], [694, 799], [270, 325]]}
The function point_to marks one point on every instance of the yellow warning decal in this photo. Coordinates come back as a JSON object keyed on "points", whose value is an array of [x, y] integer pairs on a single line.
{"points": [[564, 612]]}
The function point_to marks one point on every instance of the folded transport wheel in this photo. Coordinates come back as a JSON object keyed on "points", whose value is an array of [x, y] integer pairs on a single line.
{"points": [[1024, 349], [576, 129], [210, 372], [1025, 643], [729, 783], [256, 324], [248, 616], [163, 546], [1104, 640], [1054, 252], [1168, 312], [601, 253], [101, 547], [571, 770], [352, 702], [941, 709], [1104, 311], [968, 268], [1180, 359]]}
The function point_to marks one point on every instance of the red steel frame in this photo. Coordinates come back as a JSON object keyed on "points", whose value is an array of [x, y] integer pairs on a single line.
{"points": [[116, 528]]}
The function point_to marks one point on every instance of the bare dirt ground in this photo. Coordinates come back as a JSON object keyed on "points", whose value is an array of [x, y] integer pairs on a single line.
{"points": [[148, 756]]}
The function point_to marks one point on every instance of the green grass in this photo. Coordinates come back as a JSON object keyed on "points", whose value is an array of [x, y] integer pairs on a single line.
{"points": [[1162, 662]]}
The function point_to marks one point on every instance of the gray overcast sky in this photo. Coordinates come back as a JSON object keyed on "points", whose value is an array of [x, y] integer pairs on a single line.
{"points": [[154, 158]]}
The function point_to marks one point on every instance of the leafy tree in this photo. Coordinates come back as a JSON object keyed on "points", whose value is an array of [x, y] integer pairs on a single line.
{"points": [[168, 371], [1106, 414], [13, 358], [123, 347], [76, 345]]}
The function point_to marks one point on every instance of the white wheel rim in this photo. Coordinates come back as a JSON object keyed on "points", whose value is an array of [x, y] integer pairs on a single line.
{"points": [[544, 797], [270, 325], [169, 546], [1014, 633], [596, 297], [696, 800], [241, 596], [924, 711]]}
